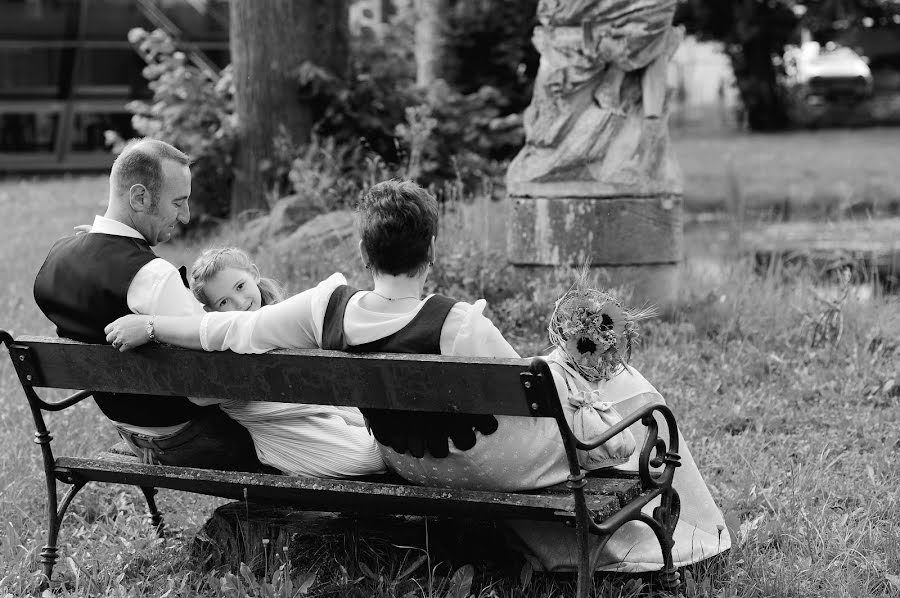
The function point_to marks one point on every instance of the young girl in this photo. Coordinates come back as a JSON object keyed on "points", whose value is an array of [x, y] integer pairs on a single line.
{"points": [[296, 438], [226, 279]]}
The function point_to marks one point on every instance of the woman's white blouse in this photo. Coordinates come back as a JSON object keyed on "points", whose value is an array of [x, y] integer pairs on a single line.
{"points": [[296, 323]]}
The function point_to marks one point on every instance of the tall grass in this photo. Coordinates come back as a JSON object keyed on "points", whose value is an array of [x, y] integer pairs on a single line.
{"points": [[798, 444]]}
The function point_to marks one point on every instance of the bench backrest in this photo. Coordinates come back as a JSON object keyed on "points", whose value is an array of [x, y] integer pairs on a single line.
{"points": [[383, 380]]}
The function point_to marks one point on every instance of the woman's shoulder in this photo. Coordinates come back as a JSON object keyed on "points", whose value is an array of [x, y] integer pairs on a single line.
{"points": [[467, 331], [323, 289], [332, 282], [463, 315]]}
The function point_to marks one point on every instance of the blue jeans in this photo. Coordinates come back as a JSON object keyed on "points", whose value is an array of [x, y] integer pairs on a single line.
{"points": [[210, 441]]}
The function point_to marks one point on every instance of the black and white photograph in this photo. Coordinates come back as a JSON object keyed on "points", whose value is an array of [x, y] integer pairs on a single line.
{"points": [[450, 298]]}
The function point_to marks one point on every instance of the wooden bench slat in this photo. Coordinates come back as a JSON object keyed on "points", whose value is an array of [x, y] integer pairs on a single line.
{"points": [[624, 485], [604, 495], [454, 384]]}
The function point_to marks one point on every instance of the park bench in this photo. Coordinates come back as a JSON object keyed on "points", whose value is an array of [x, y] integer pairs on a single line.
{"points": [[598, 503]]}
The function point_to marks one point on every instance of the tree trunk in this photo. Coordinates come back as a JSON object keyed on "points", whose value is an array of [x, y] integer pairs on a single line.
{"points": [[432, 48], [758, 87], [270, 39]]}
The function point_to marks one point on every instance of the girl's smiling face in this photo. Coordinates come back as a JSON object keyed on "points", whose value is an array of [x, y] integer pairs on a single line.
{"points": [[232, 289]]}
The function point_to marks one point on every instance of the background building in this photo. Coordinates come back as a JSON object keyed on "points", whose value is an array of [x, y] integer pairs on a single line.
{"points": [[67, 71]]}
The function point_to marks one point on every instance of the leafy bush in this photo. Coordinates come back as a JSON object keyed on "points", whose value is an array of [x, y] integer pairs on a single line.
{"points": [[491, 43], [376, 120], [442, 133], [366, 107], [458, 136], [332, 176], [193, 109]]}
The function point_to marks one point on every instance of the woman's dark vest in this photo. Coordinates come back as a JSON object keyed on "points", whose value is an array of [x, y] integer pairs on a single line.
{"points": [[82, 287], [412, 431]]}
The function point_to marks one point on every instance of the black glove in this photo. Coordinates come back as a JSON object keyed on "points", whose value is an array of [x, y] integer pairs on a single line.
{"points": [[419, 433]]}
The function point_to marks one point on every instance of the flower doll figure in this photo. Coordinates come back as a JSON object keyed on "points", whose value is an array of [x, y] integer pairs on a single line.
{"points": [[296, 438], [592, 335]]}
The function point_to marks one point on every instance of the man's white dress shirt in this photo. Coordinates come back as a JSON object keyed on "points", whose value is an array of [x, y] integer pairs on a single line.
{"points": [[157, 289]]}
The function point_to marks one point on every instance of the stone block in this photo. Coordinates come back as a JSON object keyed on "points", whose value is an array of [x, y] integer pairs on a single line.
{"points": [[608, 232]]}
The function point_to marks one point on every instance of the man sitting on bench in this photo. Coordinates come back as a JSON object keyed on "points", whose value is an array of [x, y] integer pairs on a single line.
{"points": [[89, 279]]}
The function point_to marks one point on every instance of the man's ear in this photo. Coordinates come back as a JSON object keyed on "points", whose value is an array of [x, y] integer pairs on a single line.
{"points": [[433, 250], [138, 197]]}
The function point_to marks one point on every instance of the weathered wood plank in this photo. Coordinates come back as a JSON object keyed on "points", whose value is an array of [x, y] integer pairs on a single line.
{"points": [[871, 246], [612, 232], [320, 494], [391, 381], [623, 485]]}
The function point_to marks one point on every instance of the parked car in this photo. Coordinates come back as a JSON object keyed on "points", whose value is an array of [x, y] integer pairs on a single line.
{"points": [[826, 85]]}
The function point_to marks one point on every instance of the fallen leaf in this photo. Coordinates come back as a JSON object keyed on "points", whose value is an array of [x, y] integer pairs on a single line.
{"points": [[461, 582], [307, 581], [525, 575], [409, 570]]}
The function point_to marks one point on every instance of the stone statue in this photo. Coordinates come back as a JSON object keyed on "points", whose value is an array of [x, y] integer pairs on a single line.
{"points": [[595, 126]]}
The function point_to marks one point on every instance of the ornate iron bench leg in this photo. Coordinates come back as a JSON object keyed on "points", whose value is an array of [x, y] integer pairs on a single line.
{"points": [[587, 560], [50, 552], [665, 517], [585, 571], [155, 516], [576, 483]]}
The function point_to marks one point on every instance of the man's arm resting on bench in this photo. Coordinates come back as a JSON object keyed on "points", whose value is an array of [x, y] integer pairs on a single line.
{"points": [[132, 331]]}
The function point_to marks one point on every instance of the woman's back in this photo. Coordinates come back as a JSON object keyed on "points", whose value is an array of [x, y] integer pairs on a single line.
{"points": [[502, 453]]}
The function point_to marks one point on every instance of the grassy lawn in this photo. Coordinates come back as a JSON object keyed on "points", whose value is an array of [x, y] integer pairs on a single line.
{"points": [[798, 444], [815, 173]]}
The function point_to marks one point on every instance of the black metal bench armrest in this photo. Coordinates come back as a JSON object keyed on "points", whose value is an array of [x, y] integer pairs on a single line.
{"points": [[28, 375], [665, 454], [70, 400]]}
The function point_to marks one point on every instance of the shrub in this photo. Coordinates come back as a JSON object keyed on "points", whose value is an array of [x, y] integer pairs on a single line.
{"points": [[193, 109], [457, 132], [366, 107], [442, 133], [451, 135], [491, 43]]}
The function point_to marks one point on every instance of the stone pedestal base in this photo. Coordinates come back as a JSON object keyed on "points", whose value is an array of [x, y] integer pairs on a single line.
{"points": [[636, 242]]}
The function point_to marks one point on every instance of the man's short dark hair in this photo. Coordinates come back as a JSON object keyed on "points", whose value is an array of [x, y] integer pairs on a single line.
{"points": [[397, 220], [140, 162]]}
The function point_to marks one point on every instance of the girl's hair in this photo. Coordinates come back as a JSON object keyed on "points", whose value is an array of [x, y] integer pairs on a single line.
{"points": [[397, 220], [213, 261]]}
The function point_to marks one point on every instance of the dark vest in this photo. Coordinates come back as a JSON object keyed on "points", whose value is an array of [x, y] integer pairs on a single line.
{"points": [[415, 432], [82, 287]]}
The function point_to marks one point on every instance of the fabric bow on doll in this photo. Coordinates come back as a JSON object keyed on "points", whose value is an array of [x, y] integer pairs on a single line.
{"points": [[595, 413]]}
